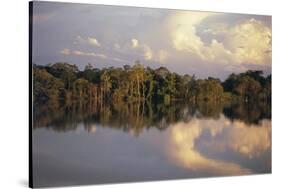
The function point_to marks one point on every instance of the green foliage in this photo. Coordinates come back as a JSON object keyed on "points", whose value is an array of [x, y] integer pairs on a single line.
{"points": [[208, 89], [46, 86], [249, 86], [64, 71], [64, 82]]}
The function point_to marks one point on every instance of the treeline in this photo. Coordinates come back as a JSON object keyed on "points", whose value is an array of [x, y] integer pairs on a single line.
{"points": [[65, 83]]}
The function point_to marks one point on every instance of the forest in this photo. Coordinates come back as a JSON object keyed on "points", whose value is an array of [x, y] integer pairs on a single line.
{"points": [[66, 84]]}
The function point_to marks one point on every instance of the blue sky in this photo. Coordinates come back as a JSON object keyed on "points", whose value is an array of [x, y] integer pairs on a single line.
{"points": [[192, 42]]}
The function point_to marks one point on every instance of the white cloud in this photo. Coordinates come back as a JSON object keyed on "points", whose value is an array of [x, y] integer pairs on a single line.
{"points": [[148, 54], [249, 141], [81, 53], [137, 47], [143, 48], [93, 41], [91, 54], [65, 51], [245, 42], [183, 34], [250, 41], [159, 56], [90, 40], [135, 43]]}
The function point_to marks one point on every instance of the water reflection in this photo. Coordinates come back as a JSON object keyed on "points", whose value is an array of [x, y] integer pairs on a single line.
{"points": [[157, 141], [218, 136], [135, 117], [131, 117]]}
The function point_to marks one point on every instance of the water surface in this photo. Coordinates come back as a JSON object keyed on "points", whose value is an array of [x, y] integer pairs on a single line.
{"points": [[89, 144]]}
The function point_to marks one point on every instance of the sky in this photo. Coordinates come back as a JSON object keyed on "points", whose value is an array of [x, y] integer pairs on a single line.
{"points": [[186, 42]]}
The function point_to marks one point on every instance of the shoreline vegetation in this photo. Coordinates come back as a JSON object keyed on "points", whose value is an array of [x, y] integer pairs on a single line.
{"points": [[65, 84], [133, 97]]}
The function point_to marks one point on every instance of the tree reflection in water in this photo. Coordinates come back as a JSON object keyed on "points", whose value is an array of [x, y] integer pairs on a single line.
{"points": [[135, 117]]}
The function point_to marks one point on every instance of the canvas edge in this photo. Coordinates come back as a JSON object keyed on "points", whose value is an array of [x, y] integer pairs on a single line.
{"points": [[30, 112]]}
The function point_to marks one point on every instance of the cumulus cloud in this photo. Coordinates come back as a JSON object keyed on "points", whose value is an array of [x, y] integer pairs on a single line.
{"points": [[247, 42], [183, 34], [142, 48], [147, 52], [90, 40], [200, 43], [93, 41], [135, 43], [250, 41]]}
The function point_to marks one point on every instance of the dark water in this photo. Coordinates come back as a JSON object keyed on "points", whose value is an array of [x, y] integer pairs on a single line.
{"points": [[94, 144]]}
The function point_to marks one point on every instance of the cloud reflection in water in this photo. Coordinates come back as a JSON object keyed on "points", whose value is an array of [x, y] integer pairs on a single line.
{"points": [[248, 141]]}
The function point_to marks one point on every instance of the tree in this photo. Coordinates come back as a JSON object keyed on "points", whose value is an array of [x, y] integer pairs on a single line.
{"points": [[64, 71], [209, 89], [46, 86], [138, 72], [105, 84], [63, 81], [230, 82], [247, 87], [82, 88], [88, 67]]}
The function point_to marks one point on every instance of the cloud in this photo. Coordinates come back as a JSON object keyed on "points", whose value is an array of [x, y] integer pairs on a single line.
{"points": [[162, 56], [250, 41], [65, 51], [148, 54], [183, 34], [135, 43], [245, 42], [120, 60], [200, 43], [81, 53], [143, 48], [93, 41], [80, 39], [92, 128], [90, 40], [91, 54], [248, 141]]}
